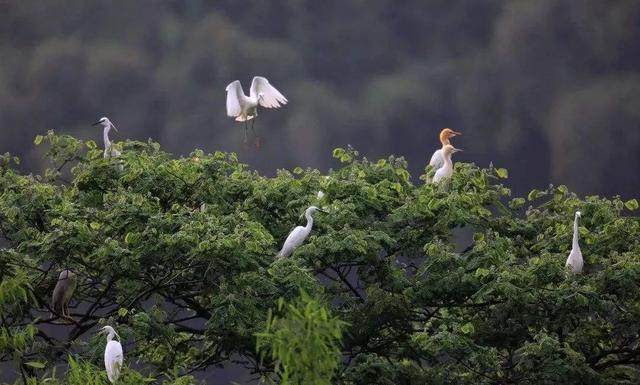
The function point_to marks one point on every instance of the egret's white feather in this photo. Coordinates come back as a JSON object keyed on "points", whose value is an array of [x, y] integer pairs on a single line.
{"points": [[295, 238], [298, 235], [271, 97], [113, 356], [234, 97], [437, 160], [113, 359], [446, 170], [575, 262]]}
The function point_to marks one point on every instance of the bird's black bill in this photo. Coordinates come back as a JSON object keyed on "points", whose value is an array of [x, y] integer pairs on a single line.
{"points": [[96, 123]]}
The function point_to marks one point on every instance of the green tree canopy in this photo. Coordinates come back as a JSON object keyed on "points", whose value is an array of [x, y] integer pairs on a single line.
{"points": [[449, 284]]}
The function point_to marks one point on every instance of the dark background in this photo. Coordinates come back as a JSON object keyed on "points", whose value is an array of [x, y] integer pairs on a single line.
{"points": [[549, 89]]}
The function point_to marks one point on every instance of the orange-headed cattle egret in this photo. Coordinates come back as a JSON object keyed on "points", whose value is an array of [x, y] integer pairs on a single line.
{"points": [[437, 159]]}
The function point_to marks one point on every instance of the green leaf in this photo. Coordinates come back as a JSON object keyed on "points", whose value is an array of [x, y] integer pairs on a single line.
{"points": [[516, 203], [534, 194], [122, 312], [95, 225], [502, 173], [36, 364], [38, 139], [129, 238], [631, 204], [467, 328]]}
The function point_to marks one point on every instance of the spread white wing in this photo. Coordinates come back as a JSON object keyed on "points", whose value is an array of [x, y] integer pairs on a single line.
{"points": [[271, 97], [234, 96]]}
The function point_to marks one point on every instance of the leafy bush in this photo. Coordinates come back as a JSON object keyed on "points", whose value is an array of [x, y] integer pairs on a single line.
{"points": [[436, 284], [304, 342]]}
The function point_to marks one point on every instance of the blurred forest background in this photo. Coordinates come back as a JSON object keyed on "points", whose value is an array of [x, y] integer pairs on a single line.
{"points": [[549, 89]]}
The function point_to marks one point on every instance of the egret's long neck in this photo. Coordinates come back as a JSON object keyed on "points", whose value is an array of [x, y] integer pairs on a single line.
{"points": [[447, 161], [444, 140], [105, 136], [309, 221], [110, 336], [576, 234]]}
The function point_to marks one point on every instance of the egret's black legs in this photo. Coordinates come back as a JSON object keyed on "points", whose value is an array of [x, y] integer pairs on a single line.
{"points": [[257, 138], [246, 128]]}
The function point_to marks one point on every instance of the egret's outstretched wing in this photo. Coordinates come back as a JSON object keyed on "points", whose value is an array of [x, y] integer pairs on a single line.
{"points": [[271, 97], [113, 358], [234, 95]]}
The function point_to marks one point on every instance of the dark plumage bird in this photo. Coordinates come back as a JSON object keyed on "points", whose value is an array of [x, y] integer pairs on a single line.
{"points": [[63, 292]]}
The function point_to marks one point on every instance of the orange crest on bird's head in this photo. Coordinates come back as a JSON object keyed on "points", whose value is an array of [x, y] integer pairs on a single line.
{"points": [[447, 133]]}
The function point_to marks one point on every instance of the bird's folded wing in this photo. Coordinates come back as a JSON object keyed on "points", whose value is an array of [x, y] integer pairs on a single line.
{"points": [[234, 90], [436, 159], [271, 97]]}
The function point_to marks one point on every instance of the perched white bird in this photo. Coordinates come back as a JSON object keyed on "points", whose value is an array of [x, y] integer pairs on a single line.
{"points": [[320, 195], [109, 150], [575, 261], [437, 159], [113, 356], [244, 108], [446, 170], [63, 292], [297, 236]]}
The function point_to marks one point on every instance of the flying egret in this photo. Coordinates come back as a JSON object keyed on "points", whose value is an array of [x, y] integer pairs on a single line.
{"points": [[575, 261], [109, 150], [63, 292], [244, 108], [297, 236], [437, 159], [446, 170], [113, 356]]}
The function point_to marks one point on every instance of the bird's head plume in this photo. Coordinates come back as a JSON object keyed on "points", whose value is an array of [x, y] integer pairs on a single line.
{"points": [[105, 122], [109, 331], [447, 133]]}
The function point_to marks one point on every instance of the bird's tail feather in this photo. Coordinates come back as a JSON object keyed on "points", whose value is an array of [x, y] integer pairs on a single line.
{"points": [[241, 118]]}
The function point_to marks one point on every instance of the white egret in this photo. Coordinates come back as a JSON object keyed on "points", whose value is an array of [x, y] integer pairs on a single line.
{"points": [[446, 170], [575, 261], [113, 356], [320, 195], [437, 159], [297, 236], [244, 108], [109, 150], [63, 292]]}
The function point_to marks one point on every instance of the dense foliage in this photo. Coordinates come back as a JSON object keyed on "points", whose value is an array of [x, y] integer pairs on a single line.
{"points": [[449, 284]]}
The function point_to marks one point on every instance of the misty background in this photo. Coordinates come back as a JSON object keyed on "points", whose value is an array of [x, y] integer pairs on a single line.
{"points": [[549, 89]]}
